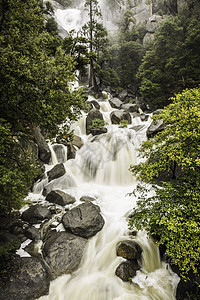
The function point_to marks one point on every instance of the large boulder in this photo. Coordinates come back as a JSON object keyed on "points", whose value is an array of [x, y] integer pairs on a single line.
{"points": [[98, 130], [36, 214], [84, 220], [32, 233], [44, 151], [28, 278], [56, 172], [115, 103], [130, 107], [60, 198], [92, 115], [127, 270], [129, 249], [154, 128], [118, 115], [63, 252]]}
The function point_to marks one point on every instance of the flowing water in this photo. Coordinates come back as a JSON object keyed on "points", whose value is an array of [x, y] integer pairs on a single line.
{"points": [[100, 170]]}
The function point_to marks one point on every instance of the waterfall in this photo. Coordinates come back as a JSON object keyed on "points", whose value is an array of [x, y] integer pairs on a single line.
{"points": [[100, 170]]}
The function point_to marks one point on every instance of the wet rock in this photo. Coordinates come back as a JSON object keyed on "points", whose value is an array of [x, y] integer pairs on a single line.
{"points": [[87, 199], [130, 107], [92, 115], [129, 250], [63, 252], [60, 198], [154, 128], [123, 95], [56, 172], [126, 270], [105, 95], [84, 220], [118, 115], [33, 249], [64, 182], [44, 151], [36, 214], [137, 127], [115, 103], [71, 151], [29, 279], [95, 104], [77, 141], [144, 117], [98, 130], [32, 233]]}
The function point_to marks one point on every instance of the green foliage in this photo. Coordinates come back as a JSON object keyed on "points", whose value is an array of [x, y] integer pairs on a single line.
{"points": [[18, 169], [35, 78], [171, 62], [52, 26], [178, 142], [96, 35], [124, 123], [97, 123], [172, 214]]}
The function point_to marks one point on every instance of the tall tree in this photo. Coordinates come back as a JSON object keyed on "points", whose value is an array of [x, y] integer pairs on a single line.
{"points": [[97, 37], [35, 76], [172, 214]]}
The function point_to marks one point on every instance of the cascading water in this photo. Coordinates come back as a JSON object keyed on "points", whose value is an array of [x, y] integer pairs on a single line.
{"points": [[100, 170]]}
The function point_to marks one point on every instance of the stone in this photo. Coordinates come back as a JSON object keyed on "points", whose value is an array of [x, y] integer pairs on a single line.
{"points": [[36, 214], [130, 107], [43, 148], [115, 103], [127, 270], [77, 141], [154, 128], [56, 172], [105, 95], [144, 117], [137, 127], [64, 182], [83, 220], [33, 249], [98, 130], [29, 279], [123, 95], [95, 104], [32, 233], [87, 199], [129, 249], [118, 115], [63, 252], [60, 198], [71, 151], [92, 115]]}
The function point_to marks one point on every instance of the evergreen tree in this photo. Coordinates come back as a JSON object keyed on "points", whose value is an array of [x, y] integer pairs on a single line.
{"points": [[35, 76], [97, 37]]}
